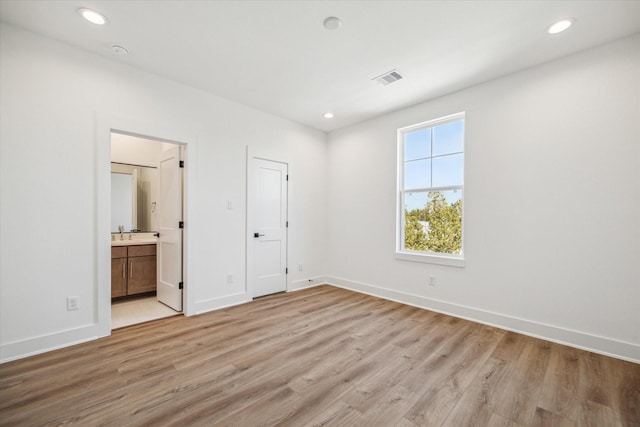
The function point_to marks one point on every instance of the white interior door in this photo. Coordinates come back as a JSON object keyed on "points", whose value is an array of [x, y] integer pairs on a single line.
{"points": [[169, 249], [267, 230]]}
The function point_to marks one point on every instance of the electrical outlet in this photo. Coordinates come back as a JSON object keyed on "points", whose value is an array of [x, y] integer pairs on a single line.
{"points": [[73, 303], [229, 278], [300, 267], [432, 280]]}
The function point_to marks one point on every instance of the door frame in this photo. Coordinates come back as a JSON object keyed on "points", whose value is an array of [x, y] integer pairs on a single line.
{"points": [[249, 287], [155, 130]]}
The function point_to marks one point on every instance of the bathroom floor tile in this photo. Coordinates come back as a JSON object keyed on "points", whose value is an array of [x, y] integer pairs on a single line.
{"points": [[133, 311]]}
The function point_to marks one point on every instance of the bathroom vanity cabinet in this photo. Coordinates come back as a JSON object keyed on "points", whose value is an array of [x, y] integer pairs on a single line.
{"points": [[133, 270]]}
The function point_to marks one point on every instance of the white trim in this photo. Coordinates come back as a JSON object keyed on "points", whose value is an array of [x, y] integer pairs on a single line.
{"points": [[584, 341], [581, 340], [434, 122], [218, 303], [426, 257], [426, 190], [44, 343], [431, 258], [307, 283], [105, 125]]}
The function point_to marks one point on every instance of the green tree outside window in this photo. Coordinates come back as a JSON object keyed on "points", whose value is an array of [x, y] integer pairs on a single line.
{"points": [[435, 228]]}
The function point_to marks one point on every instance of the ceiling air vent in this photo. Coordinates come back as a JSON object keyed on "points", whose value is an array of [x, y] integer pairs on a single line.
{"points": [[388, 77]]}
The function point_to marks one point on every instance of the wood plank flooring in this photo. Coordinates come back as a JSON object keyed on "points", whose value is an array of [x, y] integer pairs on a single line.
{"points": [[319, 357]]}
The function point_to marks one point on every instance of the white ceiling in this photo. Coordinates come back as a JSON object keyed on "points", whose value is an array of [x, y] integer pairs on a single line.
{"points": [[277, 57]]}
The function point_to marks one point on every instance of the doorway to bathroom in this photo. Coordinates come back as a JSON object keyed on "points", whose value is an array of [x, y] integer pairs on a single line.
{"points": [[147, 186]]}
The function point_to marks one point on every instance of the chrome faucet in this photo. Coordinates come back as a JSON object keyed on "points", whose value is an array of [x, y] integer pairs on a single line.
{"points": [[121, 230]]}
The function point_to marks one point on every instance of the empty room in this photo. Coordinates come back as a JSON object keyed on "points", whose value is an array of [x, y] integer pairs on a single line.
{"points": [[320, 213]]}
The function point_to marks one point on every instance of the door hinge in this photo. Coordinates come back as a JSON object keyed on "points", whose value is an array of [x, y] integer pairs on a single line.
{"points": [[287, 224], [286, 271], [287, 177], [181, 163], [181, 224], [180, 285]]}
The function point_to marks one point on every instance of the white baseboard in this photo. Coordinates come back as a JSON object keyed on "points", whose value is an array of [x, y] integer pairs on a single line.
{"points": [[44, 343], [584, 341], [597, 344], [241, 298], [218, 303], [307, 283]]}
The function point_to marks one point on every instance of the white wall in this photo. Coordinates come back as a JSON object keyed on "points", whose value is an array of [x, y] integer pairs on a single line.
{"points": [[54, 102], [552, 203]]}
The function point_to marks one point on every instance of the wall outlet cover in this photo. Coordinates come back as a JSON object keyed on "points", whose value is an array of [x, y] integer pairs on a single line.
{"points": [[73, 303]]}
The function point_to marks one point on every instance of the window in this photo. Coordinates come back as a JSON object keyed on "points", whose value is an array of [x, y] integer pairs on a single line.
{"points": [[430, 191]]}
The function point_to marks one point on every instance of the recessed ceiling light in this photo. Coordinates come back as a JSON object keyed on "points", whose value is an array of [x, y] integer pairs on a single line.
{"points": [[331, 23], [328, 115], [92, 16], [119, 50], [560, 26]]}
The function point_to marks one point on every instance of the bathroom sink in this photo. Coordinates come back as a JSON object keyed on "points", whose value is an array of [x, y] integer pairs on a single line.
{"points": [[133, 242], [136, 239]]}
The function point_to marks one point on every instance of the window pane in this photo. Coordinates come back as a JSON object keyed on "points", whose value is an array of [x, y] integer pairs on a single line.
{"points": [[433, 222], [448, 170], [417, 144], [417, 174], [413, 201], [447, 138]]}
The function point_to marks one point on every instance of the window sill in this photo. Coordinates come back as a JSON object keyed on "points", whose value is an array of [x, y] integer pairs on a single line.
{"points": [[451, 261]]}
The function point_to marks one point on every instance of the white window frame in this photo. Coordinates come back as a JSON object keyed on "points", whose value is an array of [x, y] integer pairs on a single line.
{"points": [[454, 260]]}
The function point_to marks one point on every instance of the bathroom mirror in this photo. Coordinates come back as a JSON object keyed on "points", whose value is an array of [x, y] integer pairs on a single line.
{"points": [[133, 197], [123, 203]]}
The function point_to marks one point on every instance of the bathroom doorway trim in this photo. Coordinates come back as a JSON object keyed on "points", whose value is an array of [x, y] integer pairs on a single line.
{"points": [[158, 130]]}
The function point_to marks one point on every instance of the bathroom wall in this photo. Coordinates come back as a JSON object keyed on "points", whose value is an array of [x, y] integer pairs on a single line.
{"points": [[135, 150], [147, 194]]}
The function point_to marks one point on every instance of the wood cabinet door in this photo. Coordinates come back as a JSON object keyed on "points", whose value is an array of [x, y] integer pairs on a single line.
{"points": [[142, 274], [118, 277]]}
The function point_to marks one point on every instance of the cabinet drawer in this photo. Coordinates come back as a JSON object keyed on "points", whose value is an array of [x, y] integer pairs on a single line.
{"points": [[142, 250], [119, 252]]}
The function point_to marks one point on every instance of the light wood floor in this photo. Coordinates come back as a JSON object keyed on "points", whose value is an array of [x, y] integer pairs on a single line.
{"points": [[322, 356]]}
